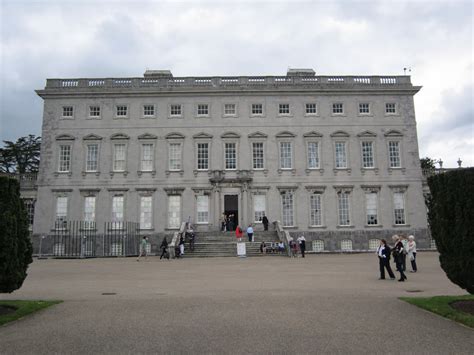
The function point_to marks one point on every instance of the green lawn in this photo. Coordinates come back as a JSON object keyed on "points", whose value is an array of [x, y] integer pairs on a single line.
{"points": [[23, 309], [441, 305]]}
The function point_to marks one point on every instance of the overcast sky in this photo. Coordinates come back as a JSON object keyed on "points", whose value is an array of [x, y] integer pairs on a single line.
{"points": [[69, 39]]}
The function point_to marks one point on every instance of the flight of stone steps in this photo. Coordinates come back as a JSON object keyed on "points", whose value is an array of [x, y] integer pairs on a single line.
{"points": [[216, 244]]}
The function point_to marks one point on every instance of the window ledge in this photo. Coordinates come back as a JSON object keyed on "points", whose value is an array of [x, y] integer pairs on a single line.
{"points": [[63, 173], [309, 171], [347, 170], [170, 172], [345, 227], [112, 173], [400, 225], [373, 226], [141, 172], [290, 227], [317, 227], [85, 173]]}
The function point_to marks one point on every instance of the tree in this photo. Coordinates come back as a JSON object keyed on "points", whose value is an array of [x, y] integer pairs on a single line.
{"points": [[15, 244], [22, 156], [450, 215], [427, 166]]}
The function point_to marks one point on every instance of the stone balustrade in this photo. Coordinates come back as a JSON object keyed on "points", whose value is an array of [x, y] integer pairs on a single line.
{"points": [[227, 82]]}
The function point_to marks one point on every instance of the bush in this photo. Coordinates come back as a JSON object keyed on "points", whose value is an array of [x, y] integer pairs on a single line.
{"points": [[451, 218], [15, 245]]}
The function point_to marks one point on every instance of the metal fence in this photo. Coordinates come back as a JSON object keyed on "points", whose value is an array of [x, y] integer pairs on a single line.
{"points": [[79, 239], [75, 239], [121, 239]]}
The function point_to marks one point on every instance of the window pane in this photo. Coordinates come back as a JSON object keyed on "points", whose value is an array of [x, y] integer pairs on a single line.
{"points": [[89, 212], [203, 156], [92, 157], [229, 109], [230, 156], [119, 157], [311, 108], [394, 154], [343, 208], [259, 205], [202, 204], [371, 208], [285, 155], [64, 158], [145, 212], [287, 209], [174, 211], [175, 156], [257, 154], [341, 157], [399, 207], [147, 157], [313, 156], [117, 211], [367, 154], [315, 210]]}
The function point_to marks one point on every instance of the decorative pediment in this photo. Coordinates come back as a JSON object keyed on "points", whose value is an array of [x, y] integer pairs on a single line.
{"points": [[92, 137], [117, 136], [65, 137], [312, 134], [393, 133], [174, 135], [147, 136], [257, 135], [230, 135], [285, 134], [367, 134], [202, 135], [340, 134]]}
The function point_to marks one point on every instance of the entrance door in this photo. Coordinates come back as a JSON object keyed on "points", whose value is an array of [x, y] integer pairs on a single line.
{"points": [[231, 210]]}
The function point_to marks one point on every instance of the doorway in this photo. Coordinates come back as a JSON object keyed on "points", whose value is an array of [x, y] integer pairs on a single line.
{"points": [[231, 210]]}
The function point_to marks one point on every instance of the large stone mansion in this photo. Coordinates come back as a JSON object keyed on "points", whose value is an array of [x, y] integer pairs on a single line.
{"points": [[332, 157]]}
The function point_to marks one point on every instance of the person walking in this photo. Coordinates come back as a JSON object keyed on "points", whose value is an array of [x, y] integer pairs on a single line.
{"points": [[143, 244], [164, 249], [412, 253], [383, 252], [398, 256], [302, 243], [265, 223], [250, 232], [239, 233], [181, 245]]}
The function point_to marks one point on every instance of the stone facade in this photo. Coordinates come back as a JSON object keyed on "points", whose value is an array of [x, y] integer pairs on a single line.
{"points": [[335, 158]]}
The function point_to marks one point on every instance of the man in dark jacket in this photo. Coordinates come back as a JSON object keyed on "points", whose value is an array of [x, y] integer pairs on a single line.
{"points": [[383, 253], [265, 223]]}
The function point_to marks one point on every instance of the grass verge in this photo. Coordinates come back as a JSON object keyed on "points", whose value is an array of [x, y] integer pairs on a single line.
{"points": [[441, 305], [23, 309]]}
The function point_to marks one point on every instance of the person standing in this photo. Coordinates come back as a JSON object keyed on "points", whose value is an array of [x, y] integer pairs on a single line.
{"points": [[181, 245], [231, 222], [164, 249], [143, 244], [250, 232], [412, 253], [404, 251], [383, 252], [302, 243], [398, 256], [265, 223], [239, 233], [293, 247], [223, 222], [263, 248]]}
